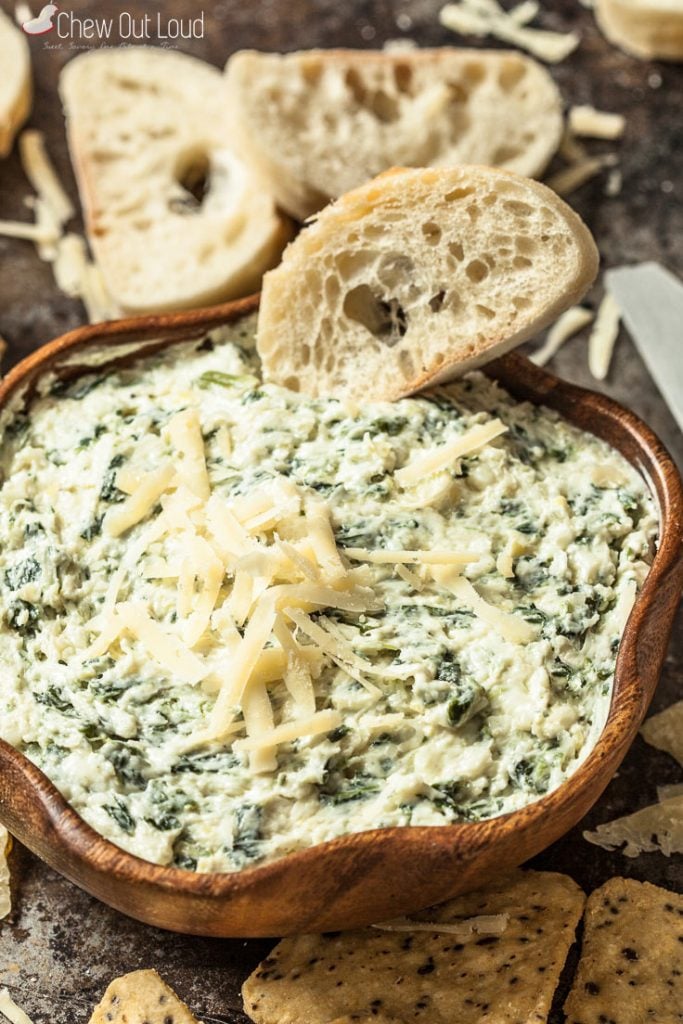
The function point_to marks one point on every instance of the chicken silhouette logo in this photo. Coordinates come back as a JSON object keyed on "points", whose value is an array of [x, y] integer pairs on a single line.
{"points": [[43, 23]]}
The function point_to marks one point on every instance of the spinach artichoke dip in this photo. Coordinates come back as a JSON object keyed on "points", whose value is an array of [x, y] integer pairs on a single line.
{"points": [[237, 622]]}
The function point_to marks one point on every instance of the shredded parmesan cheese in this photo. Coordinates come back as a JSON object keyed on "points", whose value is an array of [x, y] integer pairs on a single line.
{"points": [[134, 508], [10, 1009], [603, 337], [665, 731], [430, 462], [164, 647], [485, 924], [43, 177], [597, 124], [509, 626], [321, 721], [657, 828], [186, 437], [570, 178], [486, 17], [570, 323]]}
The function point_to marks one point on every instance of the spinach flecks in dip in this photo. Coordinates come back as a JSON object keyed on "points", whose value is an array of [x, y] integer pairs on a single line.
{"points": [[490, 679]]}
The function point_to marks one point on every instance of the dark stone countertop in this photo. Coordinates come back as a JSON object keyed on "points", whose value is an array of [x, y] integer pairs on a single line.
{"points": [[60, 948]]}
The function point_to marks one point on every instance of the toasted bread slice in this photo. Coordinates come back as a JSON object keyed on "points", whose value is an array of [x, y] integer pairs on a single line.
{"points": [[417, 277], [650, 29], [149, 134], [16, 91], [319, 123]]}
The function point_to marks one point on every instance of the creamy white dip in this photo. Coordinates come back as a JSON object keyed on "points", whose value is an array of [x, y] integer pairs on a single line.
{"points": [[467, 724]]}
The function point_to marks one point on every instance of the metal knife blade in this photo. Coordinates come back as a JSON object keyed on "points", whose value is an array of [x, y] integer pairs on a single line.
{"points": [[651, 301]]}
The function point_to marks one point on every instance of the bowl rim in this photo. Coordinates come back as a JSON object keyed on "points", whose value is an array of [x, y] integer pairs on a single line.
{"points": [[152, 333]]}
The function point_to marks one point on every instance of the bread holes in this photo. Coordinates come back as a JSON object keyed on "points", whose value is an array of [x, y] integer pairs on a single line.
{"points": [[474, 72], [431, 232], [520, 302], [511, 74], [524, 244], [485, 312], [193, 174], [517, 208], [292, 383], [477, 271], [377, 102], [456, 250], [406, 364], [458, 193], [385, 320], [436, 301], [311, 72], [521, 263], [403, 77]]}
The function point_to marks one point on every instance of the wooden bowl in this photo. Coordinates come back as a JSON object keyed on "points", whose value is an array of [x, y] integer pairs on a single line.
{"points": [[369, 876]]}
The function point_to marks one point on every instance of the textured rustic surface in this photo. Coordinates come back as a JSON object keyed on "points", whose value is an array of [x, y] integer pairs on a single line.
{"points": [[61, 948]]}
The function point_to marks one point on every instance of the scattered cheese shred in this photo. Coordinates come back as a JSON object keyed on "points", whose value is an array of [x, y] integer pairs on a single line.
{"points": [[140, 502], [164, 647], [430, 462], [297, 674], [411, 578], [597, 124], [42, 175], [340, 653], [5, 895], [606, 476], [383, 556], [321, 721], [185, 433], [259, 720], [486, 17], [514, 545], [206, 569], [603, 337], [570, 323], [241, 597], [30, 232], [227, 532], [569, 179], [322, 539], [511, 628], [485, 924], [241, 667], [657, 828], [10, 1009], [665, 731]]}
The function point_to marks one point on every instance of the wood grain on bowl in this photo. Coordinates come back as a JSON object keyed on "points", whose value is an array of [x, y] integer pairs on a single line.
{"points": [[365, 877]]}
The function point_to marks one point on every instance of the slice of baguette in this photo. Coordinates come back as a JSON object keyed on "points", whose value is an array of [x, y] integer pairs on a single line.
{"points": [[319, 123], [645, 28], [16, 91], [145, 127], [417, 277]]}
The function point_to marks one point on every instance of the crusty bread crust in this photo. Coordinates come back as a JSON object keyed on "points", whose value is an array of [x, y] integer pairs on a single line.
{"points": [[417, 277], [16, 87], [319, 123], [141, 124], [650, 29]]}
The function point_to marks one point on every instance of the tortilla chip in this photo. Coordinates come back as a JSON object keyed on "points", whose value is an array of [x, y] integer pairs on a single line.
{"points": [[5, 897], [429, 977], [665, 731], [631, 967], [141, 998]]}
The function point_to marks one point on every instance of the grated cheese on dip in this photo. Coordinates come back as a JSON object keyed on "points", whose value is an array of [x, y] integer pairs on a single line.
{"points": [[238, 622]]}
